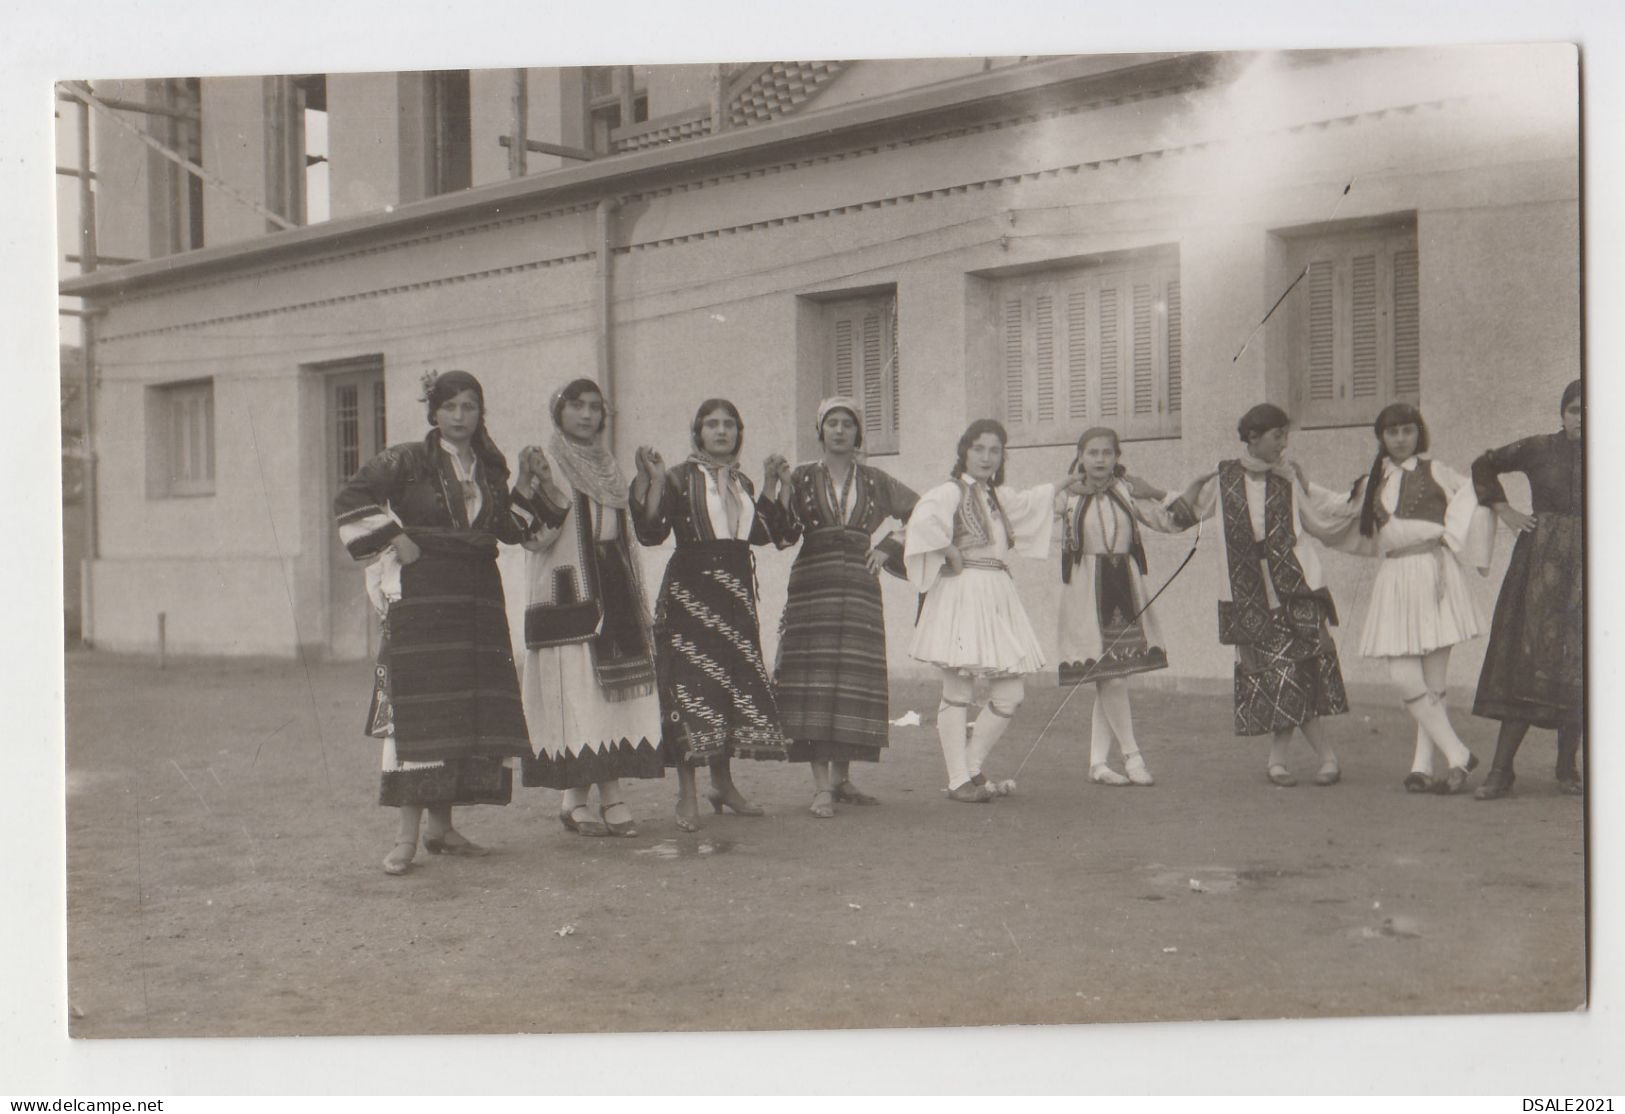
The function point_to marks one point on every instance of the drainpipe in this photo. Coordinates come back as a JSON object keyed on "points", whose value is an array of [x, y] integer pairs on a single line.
{"points": [[604, 274]]}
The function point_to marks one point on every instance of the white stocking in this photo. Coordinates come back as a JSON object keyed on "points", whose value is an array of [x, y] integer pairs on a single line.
{"points": [[1002, 701], [1425, 707], [1114, 699], [956, 693]]}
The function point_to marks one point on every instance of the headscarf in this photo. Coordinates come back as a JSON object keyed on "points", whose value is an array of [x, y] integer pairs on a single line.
{"points": [[590, 469], [839, 402], [438, 387], [725, 472]]}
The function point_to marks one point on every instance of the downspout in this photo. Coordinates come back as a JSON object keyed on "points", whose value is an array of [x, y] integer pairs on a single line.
{"points": [[604, 274]]}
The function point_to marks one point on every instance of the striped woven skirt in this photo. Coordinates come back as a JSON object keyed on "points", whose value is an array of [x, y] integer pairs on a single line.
{"points": [[715, 696], [831, 672], [446, 694]]}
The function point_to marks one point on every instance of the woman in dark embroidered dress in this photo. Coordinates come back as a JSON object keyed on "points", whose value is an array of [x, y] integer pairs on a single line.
{"points": [[1534, 668], [716, 700], [831, 672], [446, 698]]}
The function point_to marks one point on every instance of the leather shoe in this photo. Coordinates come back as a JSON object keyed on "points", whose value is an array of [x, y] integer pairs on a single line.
{"points": [[1497, 784], [1280, 775]]}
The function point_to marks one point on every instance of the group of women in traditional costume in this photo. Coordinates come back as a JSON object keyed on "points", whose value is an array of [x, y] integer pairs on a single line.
{"points": [[606, 690]]}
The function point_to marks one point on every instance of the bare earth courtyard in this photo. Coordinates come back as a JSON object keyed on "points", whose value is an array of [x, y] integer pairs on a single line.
{"points": [[224, 880]]}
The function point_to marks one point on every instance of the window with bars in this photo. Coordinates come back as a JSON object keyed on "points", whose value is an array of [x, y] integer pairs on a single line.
{"points": [[862, 363], [182, 456], [1094, 345], [1355, 334]]}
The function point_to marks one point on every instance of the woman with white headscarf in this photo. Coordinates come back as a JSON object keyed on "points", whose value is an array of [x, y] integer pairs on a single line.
{"points": [[588, 676], [831, 671]]}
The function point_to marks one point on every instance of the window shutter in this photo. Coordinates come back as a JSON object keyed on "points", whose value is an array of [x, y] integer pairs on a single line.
{"points": [[1322, 364], [863, 366], [1176, 350], [1014, 372], [1109, 369], [1407, 327], [1356, 344], [843, 356], [892, 371], [1365, 377], [1044, 336], [1144, 385], [1077, 354], [873, 366]]}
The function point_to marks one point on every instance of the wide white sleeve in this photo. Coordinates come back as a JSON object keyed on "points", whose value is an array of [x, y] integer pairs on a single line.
{"points": [[1032, 517], [1332, 518], [1469, 529], [1207, 499], [1169, 515], [930, 530]]}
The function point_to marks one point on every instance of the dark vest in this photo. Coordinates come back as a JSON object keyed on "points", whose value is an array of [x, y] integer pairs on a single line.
{"points": [[1420, 496]]}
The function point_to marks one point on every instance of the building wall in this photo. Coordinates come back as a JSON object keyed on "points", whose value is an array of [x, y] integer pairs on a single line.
{"points": [[716, 292], [363, 142], [234, 151]]}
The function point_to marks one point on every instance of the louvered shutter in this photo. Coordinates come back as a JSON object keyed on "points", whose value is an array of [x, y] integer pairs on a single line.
{"points": [[863, 366], [1092, 346], [1407, 328], [1357, 340], [1176, 349]]}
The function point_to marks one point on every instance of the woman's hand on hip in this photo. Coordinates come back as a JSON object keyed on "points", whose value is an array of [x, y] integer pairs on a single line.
{"points": [[406, 549]]}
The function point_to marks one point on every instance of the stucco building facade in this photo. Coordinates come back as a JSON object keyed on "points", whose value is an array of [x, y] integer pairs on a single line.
{"points": [[1058, 243]]}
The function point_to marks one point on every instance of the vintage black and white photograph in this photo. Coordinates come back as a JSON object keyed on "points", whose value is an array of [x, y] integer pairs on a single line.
{"points": [[842, 543]]}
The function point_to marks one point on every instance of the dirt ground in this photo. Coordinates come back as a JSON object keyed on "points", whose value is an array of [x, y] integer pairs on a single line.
{"points": [[224, 879]]}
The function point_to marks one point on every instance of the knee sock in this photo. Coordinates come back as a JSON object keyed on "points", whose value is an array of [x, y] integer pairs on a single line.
{"points": [[1114, 699], [1507, 742], [1426, 708], [956, 694], [1100, 733], [1002, 702]]}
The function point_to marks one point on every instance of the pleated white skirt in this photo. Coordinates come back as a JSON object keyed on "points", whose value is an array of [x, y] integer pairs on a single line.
{"points": [[974, 622]]}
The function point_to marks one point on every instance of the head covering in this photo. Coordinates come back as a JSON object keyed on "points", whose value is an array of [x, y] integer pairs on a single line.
{"points": [[839, 402], [1573, 391], [591, 469], [725, 473], [441, 386]]}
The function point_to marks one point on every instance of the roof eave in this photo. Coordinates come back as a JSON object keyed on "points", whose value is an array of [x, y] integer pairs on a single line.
{"points": [[964, 100]]}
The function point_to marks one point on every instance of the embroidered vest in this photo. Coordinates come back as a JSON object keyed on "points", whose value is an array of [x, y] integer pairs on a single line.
{"points": [[1420, 496]]}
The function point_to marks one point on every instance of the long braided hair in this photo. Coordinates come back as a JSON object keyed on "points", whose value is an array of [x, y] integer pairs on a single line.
{"points": [[1394, 414]]}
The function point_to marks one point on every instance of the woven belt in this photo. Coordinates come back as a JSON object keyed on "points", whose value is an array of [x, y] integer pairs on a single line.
{"points": [[1420, 549], [991, 563]]}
